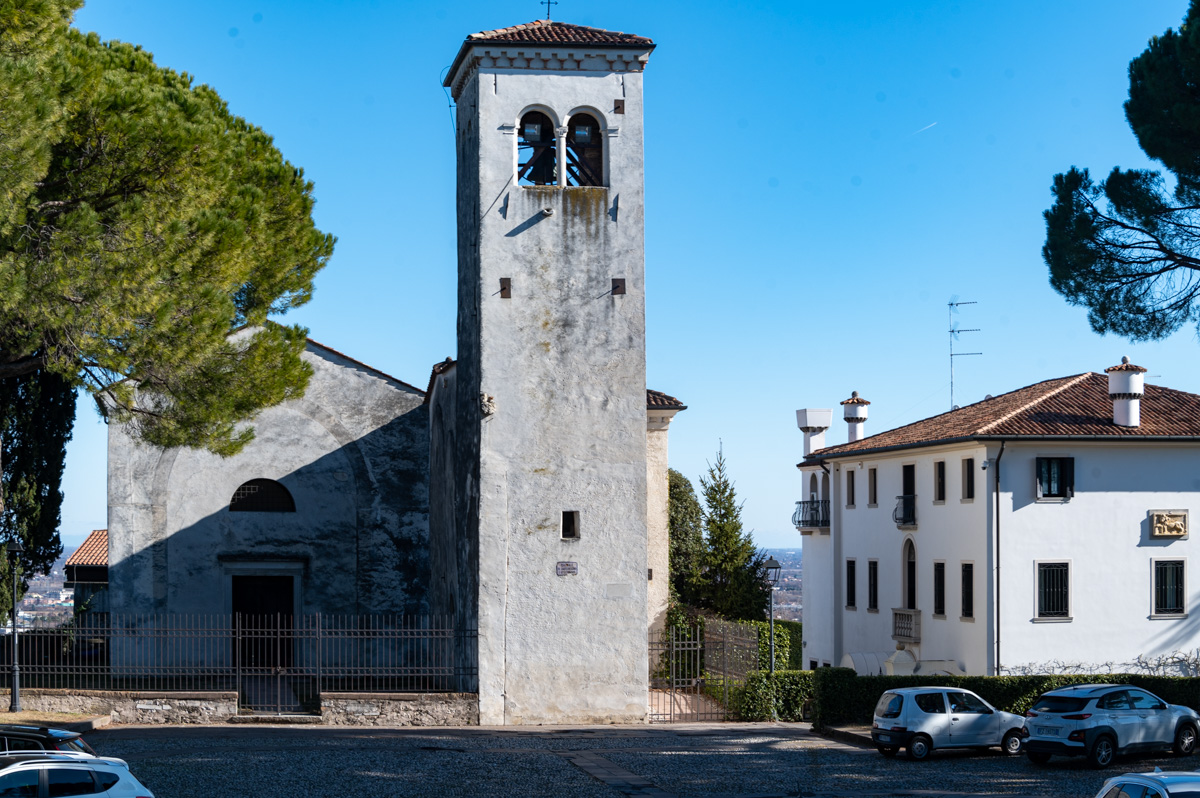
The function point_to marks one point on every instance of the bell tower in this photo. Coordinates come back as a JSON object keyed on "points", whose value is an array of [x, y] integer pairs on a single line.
{"points": [[550, 383]]}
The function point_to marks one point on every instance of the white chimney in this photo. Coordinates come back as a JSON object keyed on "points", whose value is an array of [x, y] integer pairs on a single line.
{"points": [[813, 424], [855, 410], [1126, 384]]}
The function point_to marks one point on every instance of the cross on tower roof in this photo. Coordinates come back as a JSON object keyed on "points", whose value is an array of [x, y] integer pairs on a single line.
{"points": [[547, 4]]}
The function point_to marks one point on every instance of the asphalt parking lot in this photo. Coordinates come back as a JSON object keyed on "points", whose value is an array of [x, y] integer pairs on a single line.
{"points": [[762, 760]]}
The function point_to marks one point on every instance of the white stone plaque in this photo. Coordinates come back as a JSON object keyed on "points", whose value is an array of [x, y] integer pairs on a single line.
{"points": [[567, 569], [1168, 523]]}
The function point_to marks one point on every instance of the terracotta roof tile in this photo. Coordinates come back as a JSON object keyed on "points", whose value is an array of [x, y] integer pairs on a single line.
{"points": [[1076, 406], [438, 368], [1125, 366], [657, 400], [94, 550], [855, 399], [553, 32]]}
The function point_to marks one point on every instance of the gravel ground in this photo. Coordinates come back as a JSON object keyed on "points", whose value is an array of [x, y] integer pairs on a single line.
{"points": [[762, 760]]}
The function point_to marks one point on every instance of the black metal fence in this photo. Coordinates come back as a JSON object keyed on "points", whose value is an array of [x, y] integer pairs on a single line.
{"points": [[696, 673], [275, 663]]}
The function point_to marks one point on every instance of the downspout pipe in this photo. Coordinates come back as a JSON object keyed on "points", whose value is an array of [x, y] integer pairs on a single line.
{"points": [[996, 589]]}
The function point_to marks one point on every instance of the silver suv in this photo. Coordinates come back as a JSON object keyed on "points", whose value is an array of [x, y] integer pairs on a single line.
{"points": [[1100, 721]]}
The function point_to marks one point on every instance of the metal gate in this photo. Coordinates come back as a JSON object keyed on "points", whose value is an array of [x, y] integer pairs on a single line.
{"points": [[697, 672]]}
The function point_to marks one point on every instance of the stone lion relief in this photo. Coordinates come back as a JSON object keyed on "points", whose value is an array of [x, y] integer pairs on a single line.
{"points": [[1168, 524]]}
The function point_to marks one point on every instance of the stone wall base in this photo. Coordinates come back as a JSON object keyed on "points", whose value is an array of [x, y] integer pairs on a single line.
{"points": [[135, 707], [337, 709], [400, 709]]}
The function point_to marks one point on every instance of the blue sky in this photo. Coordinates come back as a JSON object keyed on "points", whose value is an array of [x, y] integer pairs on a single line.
{"points": [[821, 179]]}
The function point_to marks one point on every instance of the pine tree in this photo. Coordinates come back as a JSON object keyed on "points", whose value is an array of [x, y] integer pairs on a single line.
{"points": [[146, 236], [1125, 247], [735, 585]]}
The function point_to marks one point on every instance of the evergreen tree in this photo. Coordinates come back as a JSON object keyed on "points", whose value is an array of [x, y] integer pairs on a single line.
{"points": [[685, 527], [1126, 247], [146, 235], [734, 572]]}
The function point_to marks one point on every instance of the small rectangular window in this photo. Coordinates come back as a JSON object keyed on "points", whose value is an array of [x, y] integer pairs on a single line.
{"points": [[1055, 477], [849, 488], [939, 481], [939, 588], [872, 584], [1169, 587], [872, 488], [570, 525], [968, 478], [968, 590], [850, 597], [1053, 590]]}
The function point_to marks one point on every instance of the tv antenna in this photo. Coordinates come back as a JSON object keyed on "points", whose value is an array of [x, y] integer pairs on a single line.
{"points": [[951, 310]]}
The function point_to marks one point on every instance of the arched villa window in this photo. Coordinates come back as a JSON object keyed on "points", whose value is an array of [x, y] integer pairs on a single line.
{"points": [[585, 152], [812, 487], [536, 156], [262, 496]]}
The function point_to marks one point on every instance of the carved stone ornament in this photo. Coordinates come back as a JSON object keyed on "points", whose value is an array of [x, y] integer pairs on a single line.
{"points": [[1168, 523], [487, 404]]}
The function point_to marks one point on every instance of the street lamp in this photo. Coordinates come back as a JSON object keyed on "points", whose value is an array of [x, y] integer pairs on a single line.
{"points": [[773, 569], [14, 555]]}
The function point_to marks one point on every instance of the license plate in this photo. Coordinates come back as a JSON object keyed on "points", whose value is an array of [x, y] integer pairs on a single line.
{"points": [[883, 738], [1046, 731]]}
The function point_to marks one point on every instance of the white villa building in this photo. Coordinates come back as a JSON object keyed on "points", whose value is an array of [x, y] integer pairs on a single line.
{"points": [[1044, 527]]}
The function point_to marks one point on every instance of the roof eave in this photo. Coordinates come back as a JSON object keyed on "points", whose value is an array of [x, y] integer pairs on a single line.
{"points": [[448, 81], [817, 459]]}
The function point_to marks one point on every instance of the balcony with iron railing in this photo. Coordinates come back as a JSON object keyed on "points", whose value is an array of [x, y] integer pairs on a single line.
{"points": [[812, 514], [906, 626], [905, 513]]}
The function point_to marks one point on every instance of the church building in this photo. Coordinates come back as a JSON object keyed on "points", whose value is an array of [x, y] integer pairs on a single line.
{"points": [[524, 492]]}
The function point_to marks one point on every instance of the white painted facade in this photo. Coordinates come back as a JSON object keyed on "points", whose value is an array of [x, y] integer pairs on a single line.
{"points": [[1102, 533]]}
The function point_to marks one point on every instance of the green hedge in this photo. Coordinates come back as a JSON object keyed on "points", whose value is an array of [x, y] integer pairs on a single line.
{"points": [[795, 630], [787, 696], [840, 696], [782, 645]]}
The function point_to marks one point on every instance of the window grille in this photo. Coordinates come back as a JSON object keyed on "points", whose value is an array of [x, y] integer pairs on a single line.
{"points": [[1168, 587], [262, 496], [939, 588], [1054, 590]]}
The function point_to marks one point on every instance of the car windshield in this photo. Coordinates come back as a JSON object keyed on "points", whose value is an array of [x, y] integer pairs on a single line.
{"points": [[1059, 703], [889, 705]]}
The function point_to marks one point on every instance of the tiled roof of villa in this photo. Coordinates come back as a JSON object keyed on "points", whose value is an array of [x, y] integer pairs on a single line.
{"points": [[1067, 407], [94, 550]]}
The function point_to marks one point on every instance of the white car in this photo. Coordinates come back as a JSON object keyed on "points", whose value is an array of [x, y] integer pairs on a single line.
{"points": [[39, 775], [1100, 721], [1159, 784], [921, 719]]}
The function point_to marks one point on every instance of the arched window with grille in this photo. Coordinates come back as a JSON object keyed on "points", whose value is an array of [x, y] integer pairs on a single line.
{"points": [[262, 496], [537, 160], [585, 151]]}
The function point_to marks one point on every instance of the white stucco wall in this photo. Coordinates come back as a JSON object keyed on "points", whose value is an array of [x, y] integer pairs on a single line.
{"points": [[1103, 531], [562, 366], [658, 550]]}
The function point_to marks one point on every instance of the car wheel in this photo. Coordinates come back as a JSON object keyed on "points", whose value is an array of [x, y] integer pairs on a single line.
{"points": [[1011, 744], [888, 750], [1038, 757], [919, 747], [1185, 740], [1101, 752]]}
